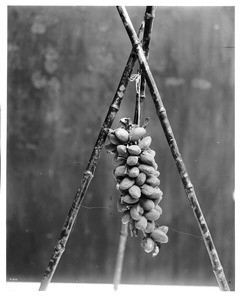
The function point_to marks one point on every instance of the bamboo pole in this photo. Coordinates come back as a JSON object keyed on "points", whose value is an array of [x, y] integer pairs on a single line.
{"points": [[88, 174], [188, 186]]}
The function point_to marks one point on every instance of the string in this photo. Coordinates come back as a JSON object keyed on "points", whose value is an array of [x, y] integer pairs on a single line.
{"points": [[172, 229], [188, 234], [137, 79]]}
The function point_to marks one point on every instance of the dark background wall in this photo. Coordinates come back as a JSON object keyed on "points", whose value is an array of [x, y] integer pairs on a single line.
{"points": [[64, 64]]}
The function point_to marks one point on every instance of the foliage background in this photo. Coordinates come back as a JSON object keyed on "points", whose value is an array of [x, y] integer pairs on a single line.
{"points": [[64, 64]]}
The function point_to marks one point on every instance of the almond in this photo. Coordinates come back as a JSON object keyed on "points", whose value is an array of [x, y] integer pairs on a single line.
{"points": [[141, 224], [135, 191], [145, 142], [148, 244], [132, 160], [134, 150], [159, 236], [152, 215], [141, 178], [122, 134], [133, 172], [126, 183], [137, 133]]}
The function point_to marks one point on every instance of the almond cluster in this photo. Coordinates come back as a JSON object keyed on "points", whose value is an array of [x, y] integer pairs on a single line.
{"points": [[137, 181]]}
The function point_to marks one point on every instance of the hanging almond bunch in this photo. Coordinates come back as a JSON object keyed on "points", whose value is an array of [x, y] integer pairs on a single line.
{"points": [[137, 181]]}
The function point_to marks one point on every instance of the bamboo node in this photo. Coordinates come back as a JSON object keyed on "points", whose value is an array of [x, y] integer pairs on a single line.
{"points": [[122, 88], [114, 105], [202, 221], [120, 94], [148, 16], [88, 174], [218, 268], [59, 247], [189, 186], [206, 234]]}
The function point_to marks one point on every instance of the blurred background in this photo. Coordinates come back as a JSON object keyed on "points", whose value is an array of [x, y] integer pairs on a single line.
{"points": [[64, 65]]}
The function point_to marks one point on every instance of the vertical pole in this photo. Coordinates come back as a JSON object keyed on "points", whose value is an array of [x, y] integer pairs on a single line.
{"points": [[120, 255], [148, 25]]}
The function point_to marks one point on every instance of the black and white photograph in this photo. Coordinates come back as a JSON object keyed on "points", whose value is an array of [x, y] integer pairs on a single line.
{"points": [[119, 149]]}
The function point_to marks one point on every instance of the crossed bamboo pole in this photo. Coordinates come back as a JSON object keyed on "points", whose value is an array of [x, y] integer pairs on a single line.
{"points": [[187, 184], [140, 97]]}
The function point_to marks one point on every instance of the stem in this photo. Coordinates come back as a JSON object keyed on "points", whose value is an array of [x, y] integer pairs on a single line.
{"points": [[88, 174], [189, 189], [137, 115]]}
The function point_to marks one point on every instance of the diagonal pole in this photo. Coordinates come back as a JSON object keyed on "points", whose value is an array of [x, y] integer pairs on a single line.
{"points": [[188, 186], [148, 24], [88, 174]]}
